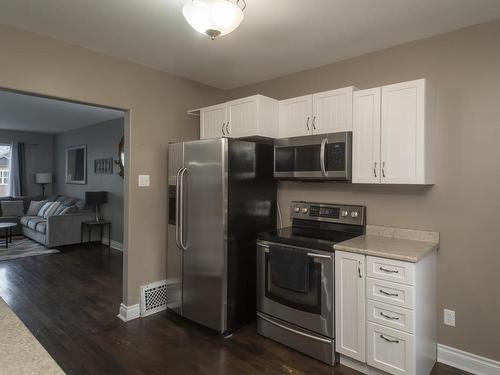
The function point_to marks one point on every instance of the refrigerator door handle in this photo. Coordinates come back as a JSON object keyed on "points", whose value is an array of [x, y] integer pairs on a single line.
{"points": [[183, 246], [177, 208]]}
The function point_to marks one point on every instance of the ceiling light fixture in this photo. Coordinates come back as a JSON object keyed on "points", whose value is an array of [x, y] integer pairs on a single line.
{"points": [[214, 17]]}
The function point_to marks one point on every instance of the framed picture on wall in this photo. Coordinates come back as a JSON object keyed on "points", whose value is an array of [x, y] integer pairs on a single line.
{"points": [[76, 164], [103, 166]]}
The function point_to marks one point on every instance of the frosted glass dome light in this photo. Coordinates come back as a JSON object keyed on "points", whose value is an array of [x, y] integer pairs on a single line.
{"points": [[214, 17]]}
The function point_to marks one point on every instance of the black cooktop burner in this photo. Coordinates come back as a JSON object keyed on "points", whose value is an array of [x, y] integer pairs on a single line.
{"points": [[312, 238]]}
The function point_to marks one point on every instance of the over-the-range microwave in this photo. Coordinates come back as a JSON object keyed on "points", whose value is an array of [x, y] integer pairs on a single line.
{"points": [[314, 157]]}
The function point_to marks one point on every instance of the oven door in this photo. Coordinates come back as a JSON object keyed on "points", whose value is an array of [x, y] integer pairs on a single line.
{"points": [[318, 157], [313, 310]]}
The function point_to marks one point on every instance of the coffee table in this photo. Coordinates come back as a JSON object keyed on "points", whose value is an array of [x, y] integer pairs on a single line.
{"points": [[7, 227]]}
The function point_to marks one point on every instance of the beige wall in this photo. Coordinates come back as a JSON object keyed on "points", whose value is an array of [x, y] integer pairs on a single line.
{"points": [[464, 204], [157, 102]]}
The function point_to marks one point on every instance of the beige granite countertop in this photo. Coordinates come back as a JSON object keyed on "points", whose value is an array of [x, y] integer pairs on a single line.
{"points": [[394, 243], [20, 352]]}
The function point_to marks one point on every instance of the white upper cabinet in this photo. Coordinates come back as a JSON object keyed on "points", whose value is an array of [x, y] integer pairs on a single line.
{"points": [[213, 121], [332, 111], [403, 134], [255, 115], [324, 112], [295, 116], [366, 136]]}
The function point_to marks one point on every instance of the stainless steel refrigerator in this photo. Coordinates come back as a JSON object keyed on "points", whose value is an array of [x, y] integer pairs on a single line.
{"points": [[221, 194]]}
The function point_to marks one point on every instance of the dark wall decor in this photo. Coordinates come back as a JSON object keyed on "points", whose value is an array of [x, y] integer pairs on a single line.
{"points": [[103, 166], [121, 157]]}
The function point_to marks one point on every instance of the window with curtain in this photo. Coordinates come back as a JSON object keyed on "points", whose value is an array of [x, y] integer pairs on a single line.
{"points": [[5, 152]]}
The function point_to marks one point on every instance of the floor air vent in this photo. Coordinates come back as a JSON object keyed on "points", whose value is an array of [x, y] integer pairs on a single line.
{"points": [[153, 297]]}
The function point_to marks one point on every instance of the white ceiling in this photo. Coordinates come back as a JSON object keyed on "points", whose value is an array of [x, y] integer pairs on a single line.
{"points": [[33, 113], [277, 37]]}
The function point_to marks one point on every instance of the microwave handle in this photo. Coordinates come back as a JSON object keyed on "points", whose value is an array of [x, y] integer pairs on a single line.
{"points": [[322, 156]]}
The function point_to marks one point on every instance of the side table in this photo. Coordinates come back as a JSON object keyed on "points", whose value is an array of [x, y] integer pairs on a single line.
{"points": [[91, 224]]}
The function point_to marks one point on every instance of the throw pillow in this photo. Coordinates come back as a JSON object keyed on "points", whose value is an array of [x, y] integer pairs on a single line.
{"points": [[34, 207], [59, 209], [12, 208], [48, 209], [69, 210]]}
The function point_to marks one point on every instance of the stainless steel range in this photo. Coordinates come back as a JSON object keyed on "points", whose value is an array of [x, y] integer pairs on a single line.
{"points": [[295, 276]]}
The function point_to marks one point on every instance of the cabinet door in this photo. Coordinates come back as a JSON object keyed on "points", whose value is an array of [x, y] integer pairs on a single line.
{"points": [[242, 117], [332, 111], [366, 136], [213, 121], [350, 304], [402, 133], [295, 116]]}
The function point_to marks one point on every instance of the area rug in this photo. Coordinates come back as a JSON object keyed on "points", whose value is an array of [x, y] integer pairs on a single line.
{"points": [[21, 351], [23, 247]]}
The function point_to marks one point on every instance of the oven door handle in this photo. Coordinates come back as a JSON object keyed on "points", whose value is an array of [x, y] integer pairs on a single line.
{"points": [[293, 330], [322, 156], [311, 255]]}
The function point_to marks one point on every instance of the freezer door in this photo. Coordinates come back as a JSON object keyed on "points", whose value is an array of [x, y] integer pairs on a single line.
{"points": [[174, 252], [205, 232]]}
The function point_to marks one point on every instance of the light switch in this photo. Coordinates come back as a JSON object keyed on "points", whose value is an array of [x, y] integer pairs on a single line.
{"points": [[449, 317], [143, 180]]}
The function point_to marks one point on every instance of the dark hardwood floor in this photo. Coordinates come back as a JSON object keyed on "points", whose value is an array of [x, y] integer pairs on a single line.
{"points": [[69, 301]]}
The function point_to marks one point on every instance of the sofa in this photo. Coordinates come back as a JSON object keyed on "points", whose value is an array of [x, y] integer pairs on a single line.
{"points": [[60, 228]]}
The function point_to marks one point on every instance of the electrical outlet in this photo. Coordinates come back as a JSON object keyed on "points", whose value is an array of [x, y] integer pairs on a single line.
{"points": [[449, 317], [143, 180]]}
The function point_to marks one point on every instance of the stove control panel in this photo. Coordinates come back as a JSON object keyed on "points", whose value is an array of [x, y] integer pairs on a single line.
{"points": [[332, 213]]}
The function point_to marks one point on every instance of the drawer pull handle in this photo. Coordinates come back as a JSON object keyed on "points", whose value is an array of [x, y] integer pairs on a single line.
{"points": [[389, 340], [387, 270], [388, 294], [388, 316]]}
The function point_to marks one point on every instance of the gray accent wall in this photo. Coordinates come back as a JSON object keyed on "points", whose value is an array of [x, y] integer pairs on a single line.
{"points": [[102, 141], [38, 156]]}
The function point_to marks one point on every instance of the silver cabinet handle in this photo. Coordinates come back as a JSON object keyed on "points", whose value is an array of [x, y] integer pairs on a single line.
{"points": [[375, 169], [388, 294], [293, 330], [227, 128], [307, 123], [314, 123], [388, 270], [177, 208], [223, 133], [322, 156], [383, 169], [388, 316], [181, 205], [389, 340]]}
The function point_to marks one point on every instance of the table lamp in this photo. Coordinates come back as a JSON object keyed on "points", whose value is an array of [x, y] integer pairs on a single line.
{"points": [[96, 198]]}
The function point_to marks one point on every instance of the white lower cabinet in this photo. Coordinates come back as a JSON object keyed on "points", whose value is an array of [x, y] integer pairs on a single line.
{"points": [[386, 325], [390, 350], [350, 304]]}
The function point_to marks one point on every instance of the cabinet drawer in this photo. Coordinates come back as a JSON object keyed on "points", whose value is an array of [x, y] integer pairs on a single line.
{"points": [[391, 293], [390, 270], [390, 350], [390, 316]]}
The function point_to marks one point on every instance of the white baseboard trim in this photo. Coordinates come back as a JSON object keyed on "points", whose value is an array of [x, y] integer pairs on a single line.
{"points": [[114, 244], [128, 313], [467, 361]]}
